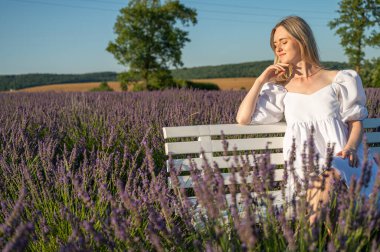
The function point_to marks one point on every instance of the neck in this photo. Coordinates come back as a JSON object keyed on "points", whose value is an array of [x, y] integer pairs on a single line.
{"points": [[305, 70]]}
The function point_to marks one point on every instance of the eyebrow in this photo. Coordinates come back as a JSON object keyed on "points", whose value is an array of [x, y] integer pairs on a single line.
{"points": [[274, 42]]}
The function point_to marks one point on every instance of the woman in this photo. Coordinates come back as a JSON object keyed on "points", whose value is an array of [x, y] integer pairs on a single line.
{"points": [[332, 103]]}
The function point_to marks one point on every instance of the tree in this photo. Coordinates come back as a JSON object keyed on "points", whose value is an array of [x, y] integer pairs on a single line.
{"points": [[356, 26], [371, 72], [149, 41]]}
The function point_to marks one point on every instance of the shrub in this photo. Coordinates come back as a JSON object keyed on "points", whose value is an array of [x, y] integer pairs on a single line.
{"points": [[197, 85], [102, 87]]}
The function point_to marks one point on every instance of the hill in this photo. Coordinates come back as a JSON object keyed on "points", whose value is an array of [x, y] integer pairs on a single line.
{"points": [[248, 69]]}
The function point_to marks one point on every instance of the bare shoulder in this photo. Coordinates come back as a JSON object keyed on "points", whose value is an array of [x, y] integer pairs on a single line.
{"points": [[329, 75]]}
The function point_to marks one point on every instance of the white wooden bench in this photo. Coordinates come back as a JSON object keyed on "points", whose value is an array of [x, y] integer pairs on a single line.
{"points": [[239, 136]]}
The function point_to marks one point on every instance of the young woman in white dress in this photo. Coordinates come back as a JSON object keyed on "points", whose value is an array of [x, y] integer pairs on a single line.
{"points": [[332, 102]]}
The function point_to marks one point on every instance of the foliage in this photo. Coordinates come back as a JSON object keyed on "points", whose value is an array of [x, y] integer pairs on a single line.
{"points": [[160, 79], [196, 85], [149, 40], [357, 18], [371, 72], [87, 172], [102, 87], [123, 86], [19, 81]]}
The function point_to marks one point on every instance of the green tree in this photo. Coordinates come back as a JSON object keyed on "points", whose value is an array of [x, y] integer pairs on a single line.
{"points": [[149, 41], [356, 26], [371, 72]]}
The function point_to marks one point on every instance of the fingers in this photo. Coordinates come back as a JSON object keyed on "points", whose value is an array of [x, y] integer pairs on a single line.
{"points": [[274, 72], [343, 154], [283, 71], [279, 69], [352, 157], [353, 160], [280, 66]]}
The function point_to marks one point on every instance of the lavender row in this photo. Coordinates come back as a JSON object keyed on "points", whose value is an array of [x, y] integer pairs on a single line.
{"points": [[85, 171]]}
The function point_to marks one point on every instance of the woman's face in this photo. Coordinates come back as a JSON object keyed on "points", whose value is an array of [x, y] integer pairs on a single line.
{"points": [[286, 47]]}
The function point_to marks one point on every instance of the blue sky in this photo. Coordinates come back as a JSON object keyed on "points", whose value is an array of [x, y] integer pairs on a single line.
{"points": [[70, 36]]}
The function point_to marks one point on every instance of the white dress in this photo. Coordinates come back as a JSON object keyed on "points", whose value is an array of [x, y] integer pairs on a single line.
{"points": [[328, 110]]}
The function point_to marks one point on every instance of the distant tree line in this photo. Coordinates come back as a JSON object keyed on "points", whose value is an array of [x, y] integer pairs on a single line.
{"points": [[370, 74], [8, 82], [248, 69]]}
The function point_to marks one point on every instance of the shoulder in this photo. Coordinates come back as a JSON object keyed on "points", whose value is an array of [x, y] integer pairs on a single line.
{"points": [[272, 89], [340, 76], [347, 76], [329, 76], [347, 82]]}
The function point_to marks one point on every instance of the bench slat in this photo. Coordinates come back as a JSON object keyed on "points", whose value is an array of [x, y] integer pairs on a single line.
{"points": [[371, 123], [235, 129], [186, 181], [217, 145], [278, 200], [375, 149], [373, 137], [276, 158], [228, 129], [249, 144]]}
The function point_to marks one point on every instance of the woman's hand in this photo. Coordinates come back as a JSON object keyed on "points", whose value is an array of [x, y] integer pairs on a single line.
{"points": [[351, 154], [273, 72]]}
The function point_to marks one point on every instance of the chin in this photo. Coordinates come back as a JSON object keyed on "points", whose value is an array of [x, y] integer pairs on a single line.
{"points": [[284, 61]]}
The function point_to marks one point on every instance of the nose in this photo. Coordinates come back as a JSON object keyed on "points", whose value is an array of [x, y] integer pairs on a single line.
{"points": [[278, 48]]}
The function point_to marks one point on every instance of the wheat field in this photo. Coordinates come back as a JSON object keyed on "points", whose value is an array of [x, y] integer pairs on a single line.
{"points": [[230, 83], [223, 84], [71, 87]]}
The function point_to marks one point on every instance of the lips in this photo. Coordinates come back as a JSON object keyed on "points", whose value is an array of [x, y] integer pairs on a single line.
{"points": [[280, 55]]}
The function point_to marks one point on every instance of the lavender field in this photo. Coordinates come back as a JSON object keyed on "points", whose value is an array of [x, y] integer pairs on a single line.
{"points": [[87, 172]]}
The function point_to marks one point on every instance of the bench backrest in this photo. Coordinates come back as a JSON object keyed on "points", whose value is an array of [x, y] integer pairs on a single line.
{"points": [[243, 137]]}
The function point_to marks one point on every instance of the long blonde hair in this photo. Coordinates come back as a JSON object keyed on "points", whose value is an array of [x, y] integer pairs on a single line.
{"points": [[300, 31]]}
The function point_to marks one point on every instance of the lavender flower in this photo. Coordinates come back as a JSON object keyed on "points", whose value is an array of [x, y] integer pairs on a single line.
{"points": [[100, 159]]}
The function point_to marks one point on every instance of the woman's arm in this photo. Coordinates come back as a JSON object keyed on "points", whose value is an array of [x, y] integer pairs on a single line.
{"points": [[355, 134], [248, 105]]}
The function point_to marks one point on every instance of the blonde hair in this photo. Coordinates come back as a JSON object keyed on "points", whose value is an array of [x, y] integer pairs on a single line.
{"points": [[302, 33]]}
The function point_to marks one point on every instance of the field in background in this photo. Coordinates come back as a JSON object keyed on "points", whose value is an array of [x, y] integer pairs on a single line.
{"points": [[71, 87], [223, 83], [230, 83]]}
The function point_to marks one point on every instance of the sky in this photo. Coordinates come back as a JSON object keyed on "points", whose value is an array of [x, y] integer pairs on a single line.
{"points": [[71, 36]]}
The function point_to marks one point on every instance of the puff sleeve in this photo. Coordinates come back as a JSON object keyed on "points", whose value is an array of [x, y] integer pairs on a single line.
{"points": [[270, 104], [351, 96]]}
